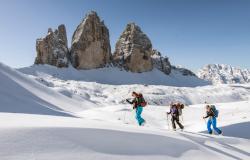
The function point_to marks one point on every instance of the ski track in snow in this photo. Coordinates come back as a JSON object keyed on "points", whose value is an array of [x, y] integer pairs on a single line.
{"points": [[45, 117]]}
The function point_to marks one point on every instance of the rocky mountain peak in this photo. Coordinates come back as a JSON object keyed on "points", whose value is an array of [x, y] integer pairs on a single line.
{"points": [[133, 50], [53, 49], [90, 49], [90, 46]]}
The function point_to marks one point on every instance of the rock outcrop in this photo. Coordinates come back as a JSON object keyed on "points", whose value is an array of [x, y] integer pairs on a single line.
{"points": [[224, 74], [183, 71], [90, 49], [53, 49], [133, 50], [160, 62], [90, 44]]}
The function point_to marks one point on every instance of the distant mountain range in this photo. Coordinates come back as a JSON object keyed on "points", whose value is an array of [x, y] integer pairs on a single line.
{"points": [[224, 74]]}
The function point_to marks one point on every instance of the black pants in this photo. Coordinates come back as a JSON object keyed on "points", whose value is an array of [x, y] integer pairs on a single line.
{"points": [[176, 119]]}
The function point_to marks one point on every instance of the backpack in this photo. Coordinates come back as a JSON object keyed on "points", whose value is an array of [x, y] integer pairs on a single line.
{"points": [[180, 107], [141, 100], [215, 111]]}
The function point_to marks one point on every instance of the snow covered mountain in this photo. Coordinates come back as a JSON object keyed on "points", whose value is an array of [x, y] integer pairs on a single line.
{"points": [[224, 74], [43, 119]]}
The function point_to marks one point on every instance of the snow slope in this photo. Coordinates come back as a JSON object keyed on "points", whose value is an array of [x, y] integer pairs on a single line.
{"points": [[69, 83], [224, 74], [232, 115], [63, 138], [115, 76], [59, 127], [21, 94]]}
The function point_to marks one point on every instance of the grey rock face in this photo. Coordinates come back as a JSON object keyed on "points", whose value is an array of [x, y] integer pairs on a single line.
{"points": [[90, 44], [161, 63], [184, 71], [133, 50], [53, 49]]}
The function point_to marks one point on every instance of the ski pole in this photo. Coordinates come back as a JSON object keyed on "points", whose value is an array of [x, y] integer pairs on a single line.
{"points": [[205, 121], [168, 121], [124, 116]]}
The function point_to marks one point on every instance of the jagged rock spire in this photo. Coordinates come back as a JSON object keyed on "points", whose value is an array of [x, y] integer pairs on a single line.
{"points": [[90, 46], [53, 49], [133, 50]]}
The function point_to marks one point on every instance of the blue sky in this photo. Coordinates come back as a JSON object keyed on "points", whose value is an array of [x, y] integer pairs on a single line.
{"points": [[191, 33]]}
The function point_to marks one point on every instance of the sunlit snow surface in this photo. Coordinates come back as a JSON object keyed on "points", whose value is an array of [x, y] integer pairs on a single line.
{"points": [[45, 116]]}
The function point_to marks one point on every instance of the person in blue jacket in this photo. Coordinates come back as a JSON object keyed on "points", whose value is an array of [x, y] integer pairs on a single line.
{"points": [[137, 101], [212, 116]]}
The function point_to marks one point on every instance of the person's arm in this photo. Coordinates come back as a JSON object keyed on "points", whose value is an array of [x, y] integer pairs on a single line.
{"points": [[135, 103], [206, 115], [129, 101]]}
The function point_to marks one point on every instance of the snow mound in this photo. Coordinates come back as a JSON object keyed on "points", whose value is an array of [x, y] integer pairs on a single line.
{"points": [[116, 76], [20, 94], [99, 141]]}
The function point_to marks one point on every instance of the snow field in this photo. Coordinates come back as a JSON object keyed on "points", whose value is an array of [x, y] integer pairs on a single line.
{"points": [[52, 118]]}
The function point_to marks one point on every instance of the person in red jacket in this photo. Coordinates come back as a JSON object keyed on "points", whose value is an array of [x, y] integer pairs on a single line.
{"points": [[137, 105]]}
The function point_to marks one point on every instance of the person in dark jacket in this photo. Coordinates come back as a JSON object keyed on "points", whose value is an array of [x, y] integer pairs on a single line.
{"points": [[212, 120], [138, 107], [175, 116]]}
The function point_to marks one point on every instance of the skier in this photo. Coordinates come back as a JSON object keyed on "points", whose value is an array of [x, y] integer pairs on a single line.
{"points": [[212, 114], [138, 104], [175, 117]]}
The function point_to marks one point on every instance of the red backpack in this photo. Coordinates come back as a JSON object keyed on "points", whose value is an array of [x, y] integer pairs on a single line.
{"points": [[141, 100]]}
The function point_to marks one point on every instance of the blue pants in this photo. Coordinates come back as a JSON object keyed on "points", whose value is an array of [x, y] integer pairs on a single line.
{"points": [[212, 121], [138, 117]]}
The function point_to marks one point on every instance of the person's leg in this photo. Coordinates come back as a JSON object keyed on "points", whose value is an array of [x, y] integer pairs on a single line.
{"points": [[142, 120], [138, 115], [209, 123], [173, 122], [214, 123], [178, 122]]}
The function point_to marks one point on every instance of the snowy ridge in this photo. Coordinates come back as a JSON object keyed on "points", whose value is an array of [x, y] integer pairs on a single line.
{"points": [[224, 74], [116, 76], [77, 85]]}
